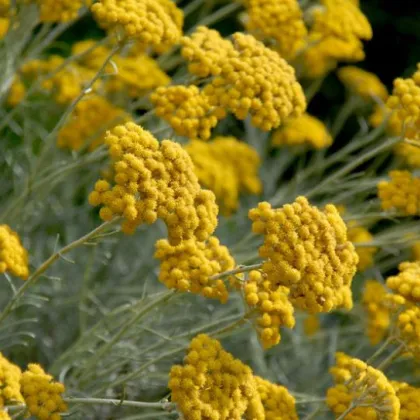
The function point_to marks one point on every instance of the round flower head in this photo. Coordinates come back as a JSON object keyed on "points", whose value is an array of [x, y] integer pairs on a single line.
{"points": [[305, 129], [10, 375], [378, 313], [60, 10], [409, 397], [43, 396], [272, 306], [306, 250], [13, 256], [408, 327], [88, 123], [212, 384], [362, 83], [278, 21], [154, 181], [189, 266], [401, 193], [157, 23], [187, 110], [368, 387], [4, 415], [256, 81], [226, 166], [407, 282], [16, 93], [358, 234]]}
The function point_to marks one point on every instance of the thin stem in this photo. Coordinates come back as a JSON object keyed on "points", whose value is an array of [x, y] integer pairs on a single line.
{"points": [[46, 264], [379, 351], [412, 142], [241, 269], [313, 88], [350, 408], [230, 327], [108, 401], [388, 360], [314, 413], [342, 117], [217, 15]]}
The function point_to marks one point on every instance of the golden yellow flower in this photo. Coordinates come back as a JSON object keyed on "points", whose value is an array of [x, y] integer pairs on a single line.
{"points": [[307, 250], [401, 193], [154, 181], [409, 397], [407, 282], [362, 83], [4, 26], [4, 415], [311, 324], [408, 325], [416, 251], [305, 129], [359, 234], [13, 256], [10, 375], [60, 10], [16, 93]]}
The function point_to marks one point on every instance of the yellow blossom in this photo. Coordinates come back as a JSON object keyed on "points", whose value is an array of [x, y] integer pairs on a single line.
{"points": [[307, 250], [359, 234], [278, 21], [377, 310], [88, 123], [311, 324], [357, 381], [154, 181], [13, 256], [4, 26], [409, 397], [408, 327], [362, 83], [60, 10], [43, 396], [226, 166], [407, 282], [189, 266], [10, 375], [4, 415], [305, 129], [415, 249], [16, 93], [401, 193]]}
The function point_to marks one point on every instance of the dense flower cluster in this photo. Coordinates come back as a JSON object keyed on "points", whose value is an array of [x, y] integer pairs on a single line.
{"points": [[401, 193], [377, 311], [354, 379], [336, 33], [186, 109], [306, 249], [151, 22], [273, 307], [409, 397], [408, 325], [212, 384], [189, 266], [359, 234], [88, 122], [60, 10], [407, 282], [154, 181], [226, 166], [10, 375], [305, 129], [16, 93], [43, 396], [13, 256], [362, 83], [4, 415], [257, 81], [278, 21], [277, 402]]}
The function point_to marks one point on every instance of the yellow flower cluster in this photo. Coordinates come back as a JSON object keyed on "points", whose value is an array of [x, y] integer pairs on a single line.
{"points": [[13, 256], [278, 21], [306, 249], [43, 396], [186, 109], [157, 23], [405, 100], [16, 93], [362, 83], [226, 166], [305, 129], [415, 249], [4, 415], [410, 153], [189, 266], [273, 307], [402, 193], [257, 81], [10, 375], [407, 282], [409, 397], [4, 26], [378, 314], [408, 325], [154, 181], [206, 51], [358, 234], [355, 379], [336, 34], [212, 384], [88, 123], [60, 10], [311, 324], [277, 402]]}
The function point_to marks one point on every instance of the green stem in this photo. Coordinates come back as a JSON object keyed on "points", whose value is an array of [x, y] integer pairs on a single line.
{"points": [[241, 269], [313, 89], [350, 408], [388, 360], [217, 15], [126, 403], [314, 413], [412, 142], [46, 264], [342, 117]]}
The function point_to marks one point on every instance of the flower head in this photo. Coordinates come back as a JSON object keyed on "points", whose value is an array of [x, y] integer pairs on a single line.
{"points": [[311, 324], [10, 375], [16, 93], [60, 10], [13, 256], [307, 250], [407, 282], [43, 396], [154, 181], [409, 397], [408, 327], [305, 129]]}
